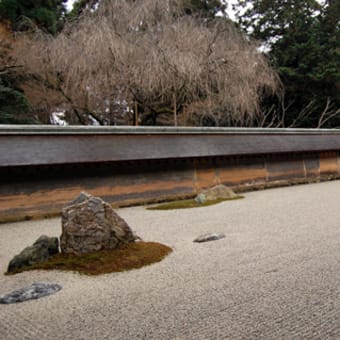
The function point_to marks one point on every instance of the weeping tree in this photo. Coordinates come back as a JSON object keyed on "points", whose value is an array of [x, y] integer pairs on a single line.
{"points": [[147, 61]]}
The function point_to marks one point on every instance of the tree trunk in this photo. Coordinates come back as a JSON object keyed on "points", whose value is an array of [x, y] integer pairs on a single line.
{"points": [[175, 110]]}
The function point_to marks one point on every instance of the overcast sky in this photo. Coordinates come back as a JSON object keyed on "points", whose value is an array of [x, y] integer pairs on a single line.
{"points": [[69, 4]]}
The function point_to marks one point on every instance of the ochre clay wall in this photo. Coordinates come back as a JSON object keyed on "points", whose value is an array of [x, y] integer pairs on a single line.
{"points": [[41, 191]]}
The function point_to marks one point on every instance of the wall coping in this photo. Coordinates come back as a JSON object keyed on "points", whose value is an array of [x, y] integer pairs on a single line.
{"points": [[142, 130], [51, 145]]}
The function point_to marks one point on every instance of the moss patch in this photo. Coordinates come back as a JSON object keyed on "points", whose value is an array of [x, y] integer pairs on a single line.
{"points": [[185, 204], [129, 256]]}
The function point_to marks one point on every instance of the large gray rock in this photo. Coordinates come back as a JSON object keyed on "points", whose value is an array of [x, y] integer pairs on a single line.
{"points": [[34, 291], [217, 192], [43, 248], [89, 224]]}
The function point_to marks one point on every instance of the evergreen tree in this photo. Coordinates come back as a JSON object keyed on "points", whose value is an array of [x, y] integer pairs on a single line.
{"points": [[21, 15], [203, 8], [47, 14], [13, 104], [303, 42], [328, 68]]}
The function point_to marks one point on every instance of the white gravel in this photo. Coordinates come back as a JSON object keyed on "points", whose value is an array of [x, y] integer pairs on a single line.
{"points": [[274, 276]]}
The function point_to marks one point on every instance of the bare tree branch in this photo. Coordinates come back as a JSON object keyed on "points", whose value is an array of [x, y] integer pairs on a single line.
{"points": [[128, 51], [7, 68], [327, 114]]}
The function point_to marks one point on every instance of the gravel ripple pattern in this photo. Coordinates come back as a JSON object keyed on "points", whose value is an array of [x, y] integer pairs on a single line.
{"points": [[274, 276]]}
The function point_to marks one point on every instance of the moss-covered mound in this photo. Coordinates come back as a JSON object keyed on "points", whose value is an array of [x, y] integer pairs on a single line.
{"points": [[130, 256], [185, 204]]}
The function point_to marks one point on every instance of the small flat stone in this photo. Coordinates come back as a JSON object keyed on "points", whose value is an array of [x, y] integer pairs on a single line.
{"points": [[32, 292], [209, 237]]}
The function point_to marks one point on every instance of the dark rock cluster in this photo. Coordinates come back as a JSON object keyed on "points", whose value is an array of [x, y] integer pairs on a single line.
{"points": [[43, 248]]}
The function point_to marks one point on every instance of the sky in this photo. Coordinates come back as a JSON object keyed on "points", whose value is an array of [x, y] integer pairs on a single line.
{"points": [[69, 4]]}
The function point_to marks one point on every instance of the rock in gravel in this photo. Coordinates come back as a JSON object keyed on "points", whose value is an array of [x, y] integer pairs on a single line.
{"points": [[218, 191], [43, 248], [89, 224], [209, 237], [34, 291], [200, 198]]}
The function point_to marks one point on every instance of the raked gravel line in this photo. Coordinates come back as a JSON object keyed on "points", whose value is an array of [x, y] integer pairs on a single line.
{"points": [[274, 276]]}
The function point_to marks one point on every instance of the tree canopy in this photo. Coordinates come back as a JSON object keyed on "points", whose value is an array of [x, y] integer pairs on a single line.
{"points": [[169, 68], [45, 14], [203, 8], [303, 42], [175, 62], [21, 15], [13, 103]]}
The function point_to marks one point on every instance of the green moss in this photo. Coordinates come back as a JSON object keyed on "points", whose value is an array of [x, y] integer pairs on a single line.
{"points": [[130, 256], [185, 204]]}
